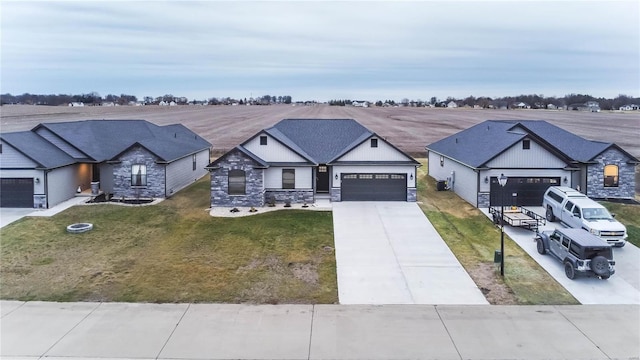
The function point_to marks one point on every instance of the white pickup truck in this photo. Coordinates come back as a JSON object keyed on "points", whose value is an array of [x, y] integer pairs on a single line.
{"points": [[576, 210]]}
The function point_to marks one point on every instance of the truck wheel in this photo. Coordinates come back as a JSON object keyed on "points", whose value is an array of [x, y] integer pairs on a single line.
{"points": [[540, 246], [569, 270], [600, 266], [549, 215]]}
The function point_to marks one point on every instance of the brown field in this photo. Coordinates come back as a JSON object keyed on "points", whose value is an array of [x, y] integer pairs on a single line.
{"points": [[408, 128]]}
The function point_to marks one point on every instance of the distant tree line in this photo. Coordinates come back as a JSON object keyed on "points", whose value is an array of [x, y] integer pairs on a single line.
{"points": [[530, 101], [96, 99]]}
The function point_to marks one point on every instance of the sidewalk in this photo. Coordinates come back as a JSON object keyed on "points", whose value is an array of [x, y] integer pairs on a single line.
{"points": [[214, 331]]}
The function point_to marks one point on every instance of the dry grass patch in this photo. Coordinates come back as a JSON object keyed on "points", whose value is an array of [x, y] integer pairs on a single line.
{"points": [[171, 252]]}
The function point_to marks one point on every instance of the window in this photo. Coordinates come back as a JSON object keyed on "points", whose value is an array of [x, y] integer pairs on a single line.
{"points": [[611, 176], [237, 182], [194, 160], [263, 140], [441, 160], [138, 175], [565, 242], [526, 144], [288, 178], [374, 143], [568, 206], [322, 169]]}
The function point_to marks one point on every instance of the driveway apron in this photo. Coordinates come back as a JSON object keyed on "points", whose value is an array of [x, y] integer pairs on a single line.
{"points": [[389, 253]]}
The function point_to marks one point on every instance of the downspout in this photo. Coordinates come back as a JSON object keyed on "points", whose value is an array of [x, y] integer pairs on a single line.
{"points": [[46, 187]]}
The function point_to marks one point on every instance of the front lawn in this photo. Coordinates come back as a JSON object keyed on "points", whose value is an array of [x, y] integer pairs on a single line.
{"points": [[629, 215], [171, 252], [473, 238]]}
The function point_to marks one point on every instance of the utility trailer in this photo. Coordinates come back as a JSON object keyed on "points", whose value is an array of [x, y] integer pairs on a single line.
{"points": [[518, 216]]}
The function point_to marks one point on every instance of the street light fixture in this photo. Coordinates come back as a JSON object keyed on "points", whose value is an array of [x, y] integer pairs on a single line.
{"points": [[502, 180]]}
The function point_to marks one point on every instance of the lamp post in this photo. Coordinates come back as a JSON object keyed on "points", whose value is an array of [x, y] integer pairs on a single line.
{"points": [[502, 180]]}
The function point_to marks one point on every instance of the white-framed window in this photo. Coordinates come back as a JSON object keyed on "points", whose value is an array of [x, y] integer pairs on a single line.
{"points": [[288, 178], [138, 175], [237, 182]]}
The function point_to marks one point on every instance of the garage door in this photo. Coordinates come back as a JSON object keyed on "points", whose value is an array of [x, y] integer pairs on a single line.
{"points": [[374, 187], [522, 191], [16, 192]]}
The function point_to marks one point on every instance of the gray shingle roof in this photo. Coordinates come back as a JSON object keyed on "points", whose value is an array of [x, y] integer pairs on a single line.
{"points": [[478, 144], [104, 139], [38, 149], [319, 140]]}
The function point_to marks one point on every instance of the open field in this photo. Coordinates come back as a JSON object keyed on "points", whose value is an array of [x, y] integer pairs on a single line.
{"points": [[408, 128]]}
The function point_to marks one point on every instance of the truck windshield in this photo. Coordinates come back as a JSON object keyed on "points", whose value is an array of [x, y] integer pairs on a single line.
{"points": [[596, 214]]}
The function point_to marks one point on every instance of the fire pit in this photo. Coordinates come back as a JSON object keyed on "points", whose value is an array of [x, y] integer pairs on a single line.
{"points": [[79, 228]]}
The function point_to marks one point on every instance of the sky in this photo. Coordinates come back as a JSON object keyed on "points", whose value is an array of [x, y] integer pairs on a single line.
{"points": [[310, 50]]}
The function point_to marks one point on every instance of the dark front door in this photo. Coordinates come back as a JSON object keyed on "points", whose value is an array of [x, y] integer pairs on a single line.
{"points": [[322, 179], [521, 191]]}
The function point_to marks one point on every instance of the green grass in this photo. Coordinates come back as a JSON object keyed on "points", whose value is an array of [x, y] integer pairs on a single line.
{"points": [[629, 215], [473, 238], [171, 252]]}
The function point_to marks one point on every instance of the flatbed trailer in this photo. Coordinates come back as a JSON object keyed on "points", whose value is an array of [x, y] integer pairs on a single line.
{"points": [[518, 216]]}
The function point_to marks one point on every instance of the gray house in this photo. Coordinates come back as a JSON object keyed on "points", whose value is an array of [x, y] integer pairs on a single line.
{"points": [[298, 160], [124, 158], [533, 155]]}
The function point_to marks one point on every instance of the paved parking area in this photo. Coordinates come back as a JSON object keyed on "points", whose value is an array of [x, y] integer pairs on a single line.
{"points": [[622, 288], [389, 253], [36, 330]]}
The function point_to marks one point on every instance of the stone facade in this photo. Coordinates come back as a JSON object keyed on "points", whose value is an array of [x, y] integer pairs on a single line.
{"points": [[484, 200], [336, 194], [137, 155], [626, 176], [254, 190], [299, 196], [412, 194]]}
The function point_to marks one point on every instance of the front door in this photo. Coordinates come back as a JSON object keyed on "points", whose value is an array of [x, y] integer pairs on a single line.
{"points": [[322, 179]]}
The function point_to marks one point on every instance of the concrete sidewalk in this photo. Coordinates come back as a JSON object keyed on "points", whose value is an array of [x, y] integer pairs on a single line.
{"points": [[213, 331]]}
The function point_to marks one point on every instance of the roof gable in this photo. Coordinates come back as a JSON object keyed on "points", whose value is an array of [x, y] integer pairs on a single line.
{"points": [[384, 152], [38, 149], [321, 139], [105, 139]]}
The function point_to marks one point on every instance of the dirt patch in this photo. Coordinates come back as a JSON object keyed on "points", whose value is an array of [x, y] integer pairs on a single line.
{"points": [[487, 277], [307, 272]]}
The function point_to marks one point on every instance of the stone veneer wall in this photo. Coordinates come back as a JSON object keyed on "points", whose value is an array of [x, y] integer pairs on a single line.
{"points": [[254, 190], [412, 194], [336, 194], [299, 196], [626, 176], [122, 175], [484, 199]]}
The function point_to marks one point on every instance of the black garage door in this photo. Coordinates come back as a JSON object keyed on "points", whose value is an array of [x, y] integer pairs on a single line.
{"points": [[521, 191], [374, 187], [15, 192]]}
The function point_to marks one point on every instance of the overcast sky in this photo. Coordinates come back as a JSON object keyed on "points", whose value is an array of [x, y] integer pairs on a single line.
{"points": [[321, 50]]}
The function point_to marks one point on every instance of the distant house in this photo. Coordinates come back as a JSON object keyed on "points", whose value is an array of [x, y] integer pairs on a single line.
{"points": [[126, 158], [629, 107], [551, 107], [521, 105], [533, 155], [452, 104], [76, 104], [298, 160], [590, 106], [360, 103]]}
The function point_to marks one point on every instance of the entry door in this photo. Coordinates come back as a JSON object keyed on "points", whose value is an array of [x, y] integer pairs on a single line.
{"points": [[322, 179]]}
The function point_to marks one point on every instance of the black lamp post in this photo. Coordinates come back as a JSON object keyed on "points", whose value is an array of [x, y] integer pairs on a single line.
{"points": [[502, 180]]}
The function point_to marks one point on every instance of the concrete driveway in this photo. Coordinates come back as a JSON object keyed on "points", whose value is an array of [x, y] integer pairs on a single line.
{"points": [[9, 215], [622, 288], [389, 253]]}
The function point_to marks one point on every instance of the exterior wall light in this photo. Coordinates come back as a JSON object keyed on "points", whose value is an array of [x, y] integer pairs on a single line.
{"points": [[336, 176], [486, 179], [565, 180], [411, 177], [37, 180]]}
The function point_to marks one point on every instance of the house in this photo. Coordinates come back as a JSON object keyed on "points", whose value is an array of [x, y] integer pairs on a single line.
{"points": [[76, 104], [591, 106], [452, 104], [533, 155], [521, 105], [299, 160], [126, 158], [629, 107]]}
